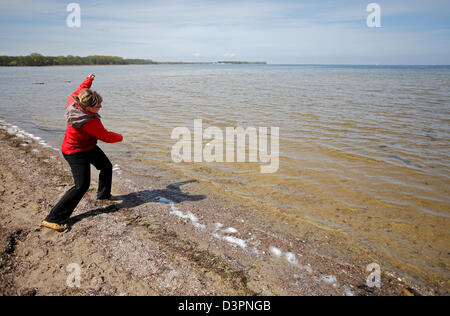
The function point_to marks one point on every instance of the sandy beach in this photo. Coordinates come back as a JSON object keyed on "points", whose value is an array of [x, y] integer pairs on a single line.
{"points": [[174, 237]]}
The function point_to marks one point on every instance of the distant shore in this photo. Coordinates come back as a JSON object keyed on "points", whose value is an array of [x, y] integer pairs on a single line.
{"points": [[36, 59]]}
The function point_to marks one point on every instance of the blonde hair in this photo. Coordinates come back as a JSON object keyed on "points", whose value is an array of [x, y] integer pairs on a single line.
{"points": [[87, 98]]}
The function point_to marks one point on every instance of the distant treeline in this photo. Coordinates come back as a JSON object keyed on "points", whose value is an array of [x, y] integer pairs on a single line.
{"points": [[36, 59], [40, 60]]}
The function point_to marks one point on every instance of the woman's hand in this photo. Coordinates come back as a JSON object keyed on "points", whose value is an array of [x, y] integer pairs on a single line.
{"points": [[92, 76]]}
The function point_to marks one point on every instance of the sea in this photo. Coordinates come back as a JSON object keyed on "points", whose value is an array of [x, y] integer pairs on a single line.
{"points": [[362, 149]]}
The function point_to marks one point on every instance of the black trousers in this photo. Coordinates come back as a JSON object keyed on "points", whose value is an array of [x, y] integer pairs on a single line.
{"points": [[80, 163]]}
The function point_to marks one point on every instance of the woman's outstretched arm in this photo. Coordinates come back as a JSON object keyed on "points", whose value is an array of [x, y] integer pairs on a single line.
{"points": [[86, 84]]}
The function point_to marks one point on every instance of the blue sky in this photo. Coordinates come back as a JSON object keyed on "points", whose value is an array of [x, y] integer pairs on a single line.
{"points": [[279, 31]]}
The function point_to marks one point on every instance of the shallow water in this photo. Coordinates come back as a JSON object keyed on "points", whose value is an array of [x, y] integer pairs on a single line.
{"points": [[364, 150]]}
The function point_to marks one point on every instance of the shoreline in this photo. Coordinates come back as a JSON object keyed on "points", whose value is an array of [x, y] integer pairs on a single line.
{"points": [[170, 237]]}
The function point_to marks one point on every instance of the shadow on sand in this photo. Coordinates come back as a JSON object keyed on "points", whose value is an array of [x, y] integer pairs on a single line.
{"points": [[172, 193]]}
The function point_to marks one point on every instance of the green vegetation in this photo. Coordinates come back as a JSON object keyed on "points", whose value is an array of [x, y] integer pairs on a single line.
{"points": [[40, 60], [36, 59]]}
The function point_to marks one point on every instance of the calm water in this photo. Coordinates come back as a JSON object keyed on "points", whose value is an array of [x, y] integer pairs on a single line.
{"points": [[364, 150]]}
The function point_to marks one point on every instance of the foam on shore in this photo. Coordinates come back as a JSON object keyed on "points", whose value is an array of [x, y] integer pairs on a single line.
{"points": [[22, 134], [226, 235]]}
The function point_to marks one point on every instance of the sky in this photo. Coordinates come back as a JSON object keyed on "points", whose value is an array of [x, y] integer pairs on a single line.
{"points": [[276, 31]]}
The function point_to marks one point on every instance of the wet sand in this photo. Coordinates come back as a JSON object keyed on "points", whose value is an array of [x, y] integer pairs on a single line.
{"points": [[173, 236]]}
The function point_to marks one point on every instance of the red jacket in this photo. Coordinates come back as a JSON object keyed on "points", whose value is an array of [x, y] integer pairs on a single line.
{"points": [[84, 128]]}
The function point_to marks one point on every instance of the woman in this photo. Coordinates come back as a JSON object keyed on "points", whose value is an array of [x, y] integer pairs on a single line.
{"points": [[80, 149]]}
